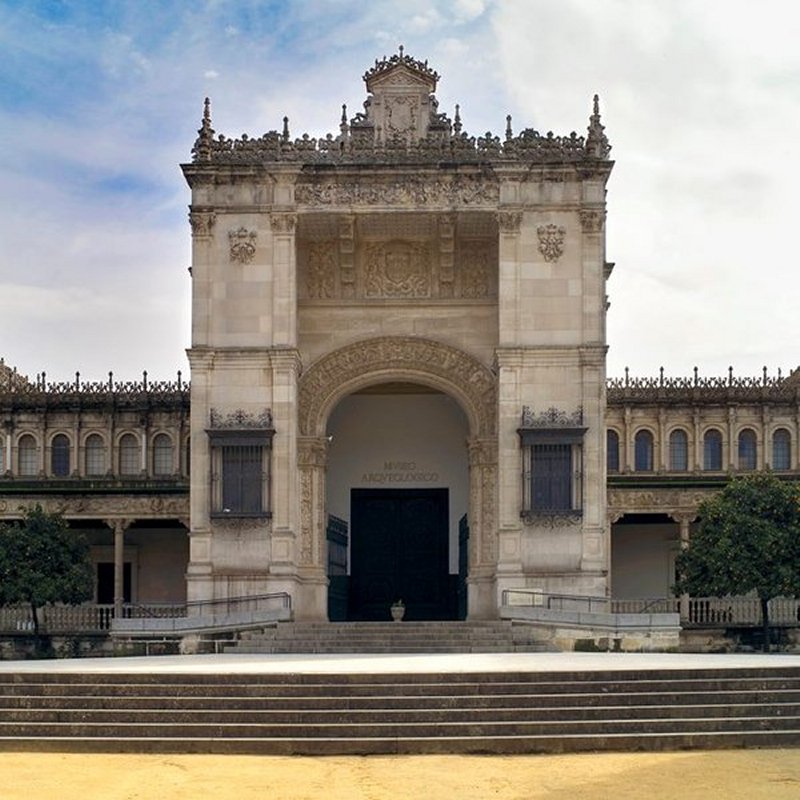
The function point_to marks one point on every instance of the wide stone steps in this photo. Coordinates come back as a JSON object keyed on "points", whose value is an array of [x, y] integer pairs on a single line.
{"points": [[492, 712], [379, 637]]}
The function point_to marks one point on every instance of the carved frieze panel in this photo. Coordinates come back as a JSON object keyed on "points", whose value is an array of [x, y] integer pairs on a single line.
{"points": [[242, 244], [397, 269], [460, 190], [551, 241], [477, 265], [322, 267]]}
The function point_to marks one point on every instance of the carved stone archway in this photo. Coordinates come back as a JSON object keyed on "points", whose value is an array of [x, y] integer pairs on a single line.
{"points": [[388, 359], [417, 360]]}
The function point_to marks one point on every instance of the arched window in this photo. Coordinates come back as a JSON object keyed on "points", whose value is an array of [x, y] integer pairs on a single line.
{"points": [[643, 451], [712, 450], [747, 449], [27, 455], [678, 451], [162, 455], [129, 455], [612, 451], [59, 456], [95, 455], [781, 449]]}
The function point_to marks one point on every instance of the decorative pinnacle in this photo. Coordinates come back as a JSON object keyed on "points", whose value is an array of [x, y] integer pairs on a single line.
{"points": [[205, 135], [509, 133], [596, 142], [457, 120], [400, 49], [286, 129], [344, 114]]}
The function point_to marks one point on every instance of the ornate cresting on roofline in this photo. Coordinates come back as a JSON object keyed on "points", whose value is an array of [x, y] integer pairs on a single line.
{"points": [[18, 392], [702, 389], [360, 141]]}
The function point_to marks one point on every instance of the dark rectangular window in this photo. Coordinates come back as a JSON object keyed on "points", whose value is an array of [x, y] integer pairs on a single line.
{"points": [[242, 479], [551, 476]]}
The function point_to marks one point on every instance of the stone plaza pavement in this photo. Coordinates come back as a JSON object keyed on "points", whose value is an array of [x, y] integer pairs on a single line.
{"points": [[365, 663]]}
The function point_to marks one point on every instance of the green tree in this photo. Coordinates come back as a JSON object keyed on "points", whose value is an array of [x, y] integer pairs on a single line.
{"points": [[43, 562], [747, 540]]}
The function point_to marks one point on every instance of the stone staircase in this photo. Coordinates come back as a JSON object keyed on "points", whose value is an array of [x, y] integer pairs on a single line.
{"points": [[312, 714], [389, 637]]}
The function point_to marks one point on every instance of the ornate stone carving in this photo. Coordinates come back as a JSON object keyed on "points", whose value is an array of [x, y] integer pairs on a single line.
{"points": [[551, 418], [242, 245], [460, 190], [397, 269], [488, 514], [306, 514], [202, 222], [453, 370], [592, 221], [401, 114], [321, 270], [282, 223], [551, 241], [509, 221], [554, 520], [240, 524], [474, 265], [240, 419]]}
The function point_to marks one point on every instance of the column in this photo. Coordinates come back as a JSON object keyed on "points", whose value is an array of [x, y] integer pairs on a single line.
{"points": [[684, 521], [119, 526]]}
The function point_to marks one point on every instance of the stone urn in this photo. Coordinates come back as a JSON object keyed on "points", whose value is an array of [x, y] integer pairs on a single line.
{"points": [[398, 610]]}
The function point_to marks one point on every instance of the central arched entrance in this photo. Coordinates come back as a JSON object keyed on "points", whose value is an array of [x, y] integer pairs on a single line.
{"points": [[397, 488], [396, 383]]}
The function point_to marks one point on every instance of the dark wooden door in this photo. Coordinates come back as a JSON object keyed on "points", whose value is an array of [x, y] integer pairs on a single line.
{"points": [[399, 551]]}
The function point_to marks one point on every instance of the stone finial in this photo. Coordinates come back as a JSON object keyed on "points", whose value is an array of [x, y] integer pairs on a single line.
{"points": [[509, 132], [285, 133], [205, 136], [597, 144]]}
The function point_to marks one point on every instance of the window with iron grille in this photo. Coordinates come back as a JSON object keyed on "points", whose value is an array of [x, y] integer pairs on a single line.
{"points": [[240, 472], [748, 449], [781, 449], [678, 451], [95, 455], [28, 456], [130, 457], [59, 456], [552, 479], [162, 455], [712, 450], [612, 451]]}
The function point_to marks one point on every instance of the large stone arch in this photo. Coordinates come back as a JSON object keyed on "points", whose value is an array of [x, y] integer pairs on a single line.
{"points": [[415, 360], [392, 358]]}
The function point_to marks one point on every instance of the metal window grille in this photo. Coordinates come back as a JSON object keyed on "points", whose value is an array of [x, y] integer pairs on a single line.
{"points": [[678, 451], [162, 455], [747, 449], [612, 451], [59, 456], [643, 451], [552, 478], [240, 479], [712, 450], [28, 456], [95, 455], [129, 455], [781, 449]]}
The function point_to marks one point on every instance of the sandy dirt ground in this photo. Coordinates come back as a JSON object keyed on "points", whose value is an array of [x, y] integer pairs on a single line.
{"points": [[728, 775]]}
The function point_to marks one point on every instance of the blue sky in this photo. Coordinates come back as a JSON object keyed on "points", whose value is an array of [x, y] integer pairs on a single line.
{"points": [[100, 102]]}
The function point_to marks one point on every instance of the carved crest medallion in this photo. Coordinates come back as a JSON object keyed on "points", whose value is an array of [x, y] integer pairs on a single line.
{"points": [[397, 269], [551, 241], [242, 245]]}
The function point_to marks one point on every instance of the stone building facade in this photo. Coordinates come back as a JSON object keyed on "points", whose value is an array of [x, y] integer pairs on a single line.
{"points": [[398, 386]]}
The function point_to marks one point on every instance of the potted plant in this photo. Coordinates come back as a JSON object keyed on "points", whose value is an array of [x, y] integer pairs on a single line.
{"points": [[398, 609]]}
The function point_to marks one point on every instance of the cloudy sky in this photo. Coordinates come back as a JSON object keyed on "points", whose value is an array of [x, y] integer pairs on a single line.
{"points": [[100, 101]]}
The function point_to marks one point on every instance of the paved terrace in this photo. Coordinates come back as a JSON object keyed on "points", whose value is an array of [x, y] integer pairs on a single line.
{"points": [[366, 663]]}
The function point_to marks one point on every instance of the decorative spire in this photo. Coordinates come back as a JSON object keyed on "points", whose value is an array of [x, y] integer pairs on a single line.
{"points": [[509, 132], [597, 144], [457, 121], [286, 129], [205, 135]]}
